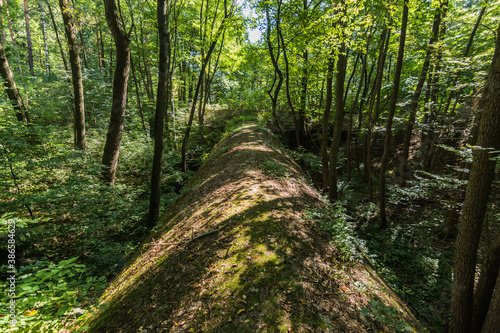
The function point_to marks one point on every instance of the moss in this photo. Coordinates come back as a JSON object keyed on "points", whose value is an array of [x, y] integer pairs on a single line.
{"points": [[261, 266]]}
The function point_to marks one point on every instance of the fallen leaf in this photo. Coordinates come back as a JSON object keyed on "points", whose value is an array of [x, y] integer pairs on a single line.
{"points": [[240, 311], [191, 329], [30, 313]]}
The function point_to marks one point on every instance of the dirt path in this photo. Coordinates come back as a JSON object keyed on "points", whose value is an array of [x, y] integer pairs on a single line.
{"points": [[260, 265]]}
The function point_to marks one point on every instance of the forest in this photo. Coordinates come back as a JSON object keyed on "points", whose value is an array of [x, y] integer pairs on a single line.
{"points": [[109, 111]]}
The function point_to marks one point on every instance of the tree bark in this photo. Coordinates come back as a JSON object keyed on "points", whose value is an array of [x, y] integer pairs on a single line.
{"points": [[326, 121], [303, 97], [63, 55], [161, 109], [486, 285], [338, 123], [273, 92], [404, 172], [139, 101], [492, 321], [390, 116], [476, 199], [11, 88], [351, 118], [76, 74], [195, 98], [287, 86], [120, 83], [44, 31], [378, 81], [28, 37]]}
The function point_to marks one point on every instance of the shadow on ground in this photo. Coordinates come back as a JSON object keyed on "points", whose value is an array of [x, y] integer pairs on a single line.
{"points": [[236, 253]]}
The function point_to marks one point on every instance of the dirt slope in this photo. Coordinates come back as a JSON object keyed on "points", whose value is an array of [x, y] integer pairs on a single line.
{"points": [[262, 267]]}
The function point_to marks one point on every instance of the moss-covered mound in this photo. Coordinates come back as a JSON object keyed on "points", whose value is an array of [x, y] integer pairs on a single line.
{"points": [[237, 253]]}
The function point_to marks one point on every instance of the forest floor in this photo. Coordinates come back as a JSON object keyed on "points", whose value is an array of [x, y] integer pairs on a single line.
{"points": [[244, 249]]}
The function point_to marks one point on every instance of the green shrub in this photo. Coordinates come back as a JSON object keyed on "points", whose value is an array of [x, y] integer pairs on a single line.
{"points": [[50, 296]]}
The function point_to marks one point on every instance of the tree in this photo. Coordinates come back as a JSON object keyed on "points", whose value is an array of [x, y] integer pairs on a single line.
{"points": [[206, 59], [120, 83], [492, 321], [76, 74], [28, 37], [63, 54], [275, 88], [486, 285], [42, 18], [325, 122], [384, 41], [339, 121], [390, 116], [481, 176], [162, 98], [403, 168], [10, 86]]}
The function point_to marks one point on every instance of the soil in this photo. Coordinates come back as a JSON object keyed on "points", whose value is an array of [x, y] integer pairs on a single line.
{"points": [[238, 253]]}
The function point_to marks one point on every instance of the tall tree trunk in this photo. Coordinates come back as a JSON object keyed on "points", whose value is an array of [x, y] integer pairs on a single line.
{"points": [[12, 35], [450, 226], [9, 22], [10, 87], [2, 26], [103, 51], [432, 136], [219, 33], [207, 85], [339, 121], [378, 81], [404, 172], [287, 86], [325, 123], [351, 118], [76, 74], [455, 93], [303, 97], [28, 37], [390, 116], [139, 101], [42, 18], [492, 321], [278, 75], [120, 83], [63, 54], [99, 52], [161, 110], [476, 199], [147, 69], [82, 44], [486, 285], [379, 86], [351, 77]]}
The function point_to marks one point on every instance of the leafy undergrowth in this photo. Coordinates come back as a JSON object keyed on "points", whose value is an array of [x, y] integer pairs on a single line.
{"points": [[244, 249], [410, 255], [63, 210]]}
